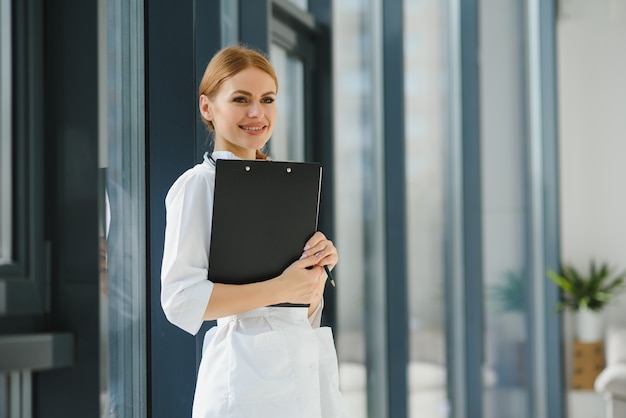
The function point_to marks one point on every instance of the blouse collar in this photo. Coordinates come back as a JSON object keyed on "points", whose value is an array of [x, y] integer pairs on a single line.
{"points": [[220, 155]]}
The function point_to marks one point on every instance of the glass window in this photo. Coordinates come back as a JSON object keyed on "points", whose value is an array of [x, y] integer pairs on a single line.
{"points": [[6, 135], [123, 232], [229, 21], [288, 138], [504, 206], [427, 111], [303, 4], [358, 174]]}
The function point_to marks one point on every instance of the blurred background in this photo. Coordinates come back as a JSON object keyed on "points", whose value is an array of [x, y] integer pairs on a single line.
{"points": [[468, 146]]}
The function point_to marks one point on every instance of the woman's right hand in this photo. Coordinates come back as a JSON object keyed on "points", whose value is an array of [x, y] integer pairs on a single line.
{"points": [[302, 282]]}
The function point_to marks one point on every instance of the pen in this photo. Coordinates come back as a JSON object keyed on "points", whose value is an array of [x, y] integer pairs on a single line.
{"points": [[330, 275]]}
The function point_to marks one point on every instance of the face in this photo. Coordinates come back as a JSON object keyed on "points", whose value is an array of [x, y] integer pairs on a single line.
{"points": [[243, 112]]}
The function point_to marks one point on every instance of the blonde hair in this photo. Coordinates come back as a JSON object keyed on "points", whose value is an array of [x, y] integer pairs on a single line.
{"points": [[225, 64]]}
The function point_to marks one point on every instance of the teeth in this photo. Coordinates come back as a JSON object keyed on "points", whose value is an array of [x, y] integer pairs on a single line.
{"points": [[252, 128]]}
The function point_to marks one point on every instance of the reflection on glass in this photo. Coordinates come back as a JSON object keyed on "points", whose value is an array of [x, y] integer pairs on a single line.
{"points": [[6, 180], [229, 21], [359, 197], [503, 133], [123, 252], [288, 138], [427, 114], [303, 4]]}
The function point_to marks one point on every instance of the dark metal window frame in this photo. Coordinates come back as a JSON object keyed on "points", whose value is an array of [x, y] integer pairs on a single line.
{"points": [[25, 279], [395, 208], [464, 236]]}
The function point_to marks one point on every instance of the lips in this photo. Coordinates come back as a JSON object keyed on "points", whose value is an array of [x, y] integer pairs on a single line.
{"points": [[252, 128]]}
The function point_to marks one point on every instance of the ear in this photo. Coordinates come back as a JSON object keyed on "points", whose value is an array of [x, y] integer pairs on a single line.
{"points": [[205, 107]]}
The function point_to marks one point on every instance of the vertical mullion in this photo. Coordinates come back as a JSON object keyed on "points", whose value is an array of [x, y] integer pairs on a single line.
{"points": [[395, 208], [26, 394], [453, 253], [208, 39], [320, 119], [6, 138], [547, 394], [537, 396], [464, 238], [171, 109], [14, 395], [254, 23], [373, 227]]}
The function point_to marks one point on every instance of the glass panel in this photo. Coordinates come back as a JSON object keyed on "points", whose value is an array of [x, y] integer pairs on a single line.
{"points": [[504, 206], [360, 327], [303, 4], [123, 275], [6, 178], [229, 21], [427, 115], [288, 139]]}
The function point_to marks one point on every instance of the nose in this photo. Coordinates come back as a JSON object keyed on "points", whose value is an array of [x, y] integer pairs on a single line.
{"points": [[255, 110]]}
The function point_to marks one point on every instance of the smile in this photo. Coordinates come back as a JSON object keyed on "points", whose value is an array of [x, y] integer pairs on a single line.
{"points": [[252, 128]]}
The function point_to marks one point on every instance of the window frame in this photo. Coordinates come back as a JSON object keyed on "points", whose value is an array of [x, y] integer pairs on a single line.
{"points": [[23, 282], [6, 143]]}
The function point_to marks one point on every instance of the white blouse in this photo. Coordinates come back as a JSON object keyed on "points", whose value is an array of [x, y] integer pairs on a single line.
{"points": [[185, 288]]}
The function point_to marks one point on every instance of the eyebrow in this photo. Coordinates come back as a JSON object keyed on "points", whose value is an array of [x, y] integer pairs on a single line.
{"points": [[247, 93]]}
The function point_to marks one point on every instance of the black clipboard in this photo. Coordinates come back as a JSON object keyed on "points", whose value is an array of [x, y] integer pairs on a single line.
{"points": [[263, 214]]}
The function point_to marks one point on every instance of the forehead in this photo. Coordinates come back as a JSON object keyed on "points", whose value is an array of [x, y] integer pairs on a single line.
{"points": [[252, 80]]}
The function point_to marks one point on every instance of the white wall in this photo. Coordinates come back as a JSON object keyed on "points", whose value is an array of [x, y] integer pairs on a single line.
{"points": [[591, 77], [592, 140]]}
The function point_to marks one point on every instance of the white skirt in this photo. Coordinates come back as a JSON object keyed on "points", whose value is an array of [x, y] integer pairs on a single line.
{"points": [[268, 362]]}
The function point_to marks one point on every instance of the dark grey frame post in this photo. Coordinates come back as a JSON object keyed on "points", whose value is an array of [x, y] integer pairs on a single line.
{"points": [[547, 394], [180, 39], [395, 208], [322, 138], [464, 272], [207, 41], [71, 129], [472, 209], [553, 339], [254, 23]]}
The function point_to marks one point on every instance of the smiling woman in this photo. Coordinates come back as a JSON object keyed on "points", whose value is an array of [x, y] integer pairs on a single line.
{"points": [[6, 182], [268, 356]]}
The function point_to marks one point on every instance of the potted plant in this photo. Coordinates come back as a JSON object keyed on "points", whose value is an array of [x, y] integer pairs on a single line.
{"points": [[509, 350], [586, 296], [510, 295]]}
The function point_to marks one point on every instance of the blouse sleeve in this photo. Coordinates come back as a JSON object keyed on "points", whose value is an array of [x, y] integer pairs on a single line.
{"points": [[185, 288]]}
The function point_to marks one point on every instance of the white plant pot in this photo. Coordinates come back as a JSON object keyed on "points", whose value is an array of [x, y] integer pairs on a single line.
{"points": [[589, 326]]}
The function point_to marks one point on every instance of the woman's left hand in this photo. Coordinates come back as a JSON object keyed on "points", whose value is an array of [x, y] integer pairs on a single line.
{"points": [[322, 248]]}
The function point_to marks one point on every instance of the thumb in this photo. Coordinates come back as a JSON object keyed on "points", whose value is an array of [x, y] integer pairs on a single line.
{"points": [[307, 261]]}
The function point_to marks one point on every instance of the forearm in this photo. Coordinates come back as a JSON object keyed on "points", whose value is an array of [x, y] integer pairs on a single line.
{"points": [[231, 299], [301, 282]]}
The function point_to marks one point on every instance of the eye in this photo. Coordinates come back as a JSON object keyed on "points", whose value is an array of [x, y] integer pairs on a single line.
{"points": [[240, 99], [268, 100]]}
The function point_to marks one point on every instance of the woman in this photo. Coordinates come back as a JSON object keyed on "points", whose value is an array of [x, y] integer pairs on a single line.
{"points": [[260, 360]]}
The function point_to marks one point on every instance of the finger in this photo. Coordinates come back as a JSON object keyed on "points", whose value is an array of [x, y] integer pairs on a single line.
{"points": [[315, 239], [306, 262], [329, 260], [321, 249]]}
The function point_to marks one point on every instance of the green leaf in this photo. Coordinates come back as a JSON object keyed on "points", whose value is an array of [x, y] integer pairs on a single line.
{"points": [[592, 291]]}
